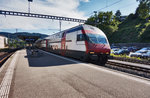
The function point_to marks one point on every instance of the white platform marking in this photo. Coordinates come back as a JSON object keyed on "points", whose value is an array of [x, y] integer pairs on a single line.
{"points": [[6, 82]]}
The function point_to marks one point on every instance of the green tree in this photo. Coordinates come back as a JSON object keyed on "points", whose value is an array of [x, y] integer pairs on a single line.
{"points": [[105, 18], [106, 21], [118, 13], [143, 9], [91, 20], [143, 0]]}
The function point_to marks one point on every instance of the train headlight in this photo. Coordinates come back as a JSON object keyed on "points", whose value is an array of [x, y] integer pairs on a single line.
{"points": [[91, 52], [107, 52]]}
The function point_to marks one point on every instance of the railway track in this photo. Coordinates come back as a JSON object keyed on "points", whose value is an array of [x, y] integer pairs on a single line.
{"points": [[7, 55], [135, 69], [4, 58]]}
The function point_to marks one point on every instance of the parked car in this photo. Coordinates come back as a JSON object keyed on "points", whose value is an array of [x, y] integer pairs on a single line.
{"points": [[146, 55], [132, 49], [145, 48], [138, 53], [122, 51], [114, 50], [124, 48]]}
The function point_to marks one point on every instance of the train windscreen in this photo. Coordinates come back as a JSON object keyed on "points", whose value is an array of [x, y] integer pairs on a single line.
{"points": [[96, 38]]}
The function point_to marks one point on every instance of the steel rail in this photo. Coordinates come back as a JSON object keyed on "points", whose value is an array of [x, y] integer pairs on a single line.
{"points": [[129, 66], [5, 58]]}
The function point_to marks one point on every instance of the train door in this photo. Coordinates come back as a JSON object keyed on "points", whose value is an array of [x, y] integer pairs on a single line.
{"points": [[63, 43]]}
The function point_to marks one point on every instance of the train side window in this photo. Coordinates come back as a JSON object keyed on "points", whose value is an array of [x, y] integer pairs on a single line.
{"points": [[80, 37]]}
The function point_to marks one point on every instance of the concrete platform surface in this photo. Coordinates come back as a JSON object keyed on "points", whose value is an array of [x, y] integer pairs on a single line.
{"points": [[49, 76]]}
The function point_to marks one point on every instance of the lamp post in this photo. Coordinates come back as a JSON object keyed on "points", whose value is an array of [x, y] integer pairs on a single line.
{"points": [[29, 1]]}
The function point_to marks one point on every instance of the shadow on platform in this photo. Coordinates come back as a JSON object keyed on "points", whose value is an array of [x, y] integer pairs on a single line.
{"points": [[41, 59]]}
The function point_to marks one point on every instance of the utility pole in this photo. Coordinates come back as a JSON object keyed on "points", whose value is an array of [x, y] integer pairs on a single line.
{"points": [[29, 1], [16, 30], [60, 25], [28, 7]]}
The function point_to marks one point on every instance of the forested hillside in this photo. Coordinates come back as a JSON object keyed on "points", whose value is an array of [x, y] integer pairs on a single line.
{"points": [[125, 29], [132, 30]]}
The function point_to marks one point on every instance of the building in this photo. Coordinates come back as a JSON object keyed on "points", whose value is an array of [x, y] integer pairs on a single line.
{"points": [[3, 42]]}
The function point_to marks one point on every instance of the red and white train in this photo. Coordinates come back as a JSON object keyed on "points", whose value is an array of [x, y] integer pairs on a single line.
{"points": [[84, 42]]}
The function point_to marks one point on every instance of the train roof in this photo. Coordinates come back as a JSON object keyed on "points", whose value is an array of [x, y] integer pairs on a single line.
{"points": [[79, 27]]}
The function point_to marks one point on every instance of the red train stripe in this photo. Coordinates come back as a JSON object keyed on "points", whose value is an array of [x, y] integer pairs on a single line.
{"points": [[86, 43]]}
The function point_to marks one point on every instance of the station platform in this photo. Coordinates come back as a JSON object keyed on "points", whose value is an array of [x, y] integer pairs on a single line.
{"points": [[52, 76]]}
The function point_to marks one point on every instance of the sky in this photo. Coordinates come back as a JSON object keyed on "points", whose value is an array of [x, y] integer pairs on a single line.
{"points": [[81, 9]]}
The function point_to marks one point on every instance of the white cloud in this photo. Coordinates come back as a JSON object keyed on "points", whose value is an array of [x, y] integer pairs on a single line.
{"points": [[85, 0], [67, 8]]}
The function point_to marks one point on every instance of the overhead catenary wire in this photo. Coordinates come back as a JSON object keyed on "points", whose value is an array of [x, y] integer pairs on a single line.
{"points": [[125, 6], [110, 5], [107, 6]]}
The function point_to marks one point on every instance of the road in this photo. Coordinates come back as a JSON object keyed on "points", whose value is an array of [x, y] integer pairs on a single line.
{"points": [[50, 76]]}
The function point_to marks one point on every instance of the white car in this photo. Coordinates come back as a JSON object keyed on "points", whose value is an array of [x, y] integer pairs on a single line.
{"points": [[146, 55], [137, 53], [114, 50]]}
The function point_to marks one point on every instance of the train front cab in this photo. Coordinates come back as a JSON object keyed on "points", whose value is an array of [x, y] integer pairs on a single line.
{"points": [[97, 45]]}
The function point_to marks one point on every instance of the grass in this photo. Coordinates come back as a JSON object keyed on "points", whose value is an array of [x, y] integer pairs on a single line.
{"points": [[126, 56]]}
